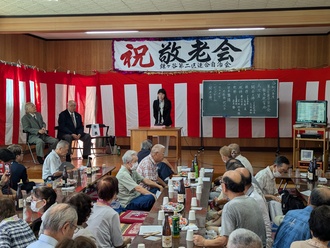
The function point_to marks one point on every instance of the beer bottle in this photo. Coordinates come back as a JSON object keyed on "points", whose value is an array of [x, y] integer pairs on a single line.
{"points": [[89, 167], [65, 175], [192, 170], [181, 192], [311, 171], [19, 197], [175, 225], [166, 235]]}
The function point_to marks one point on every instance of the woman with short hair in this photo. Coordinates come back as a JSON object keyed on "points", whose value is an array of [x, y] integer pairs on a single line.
{"points": [[104, 221]]}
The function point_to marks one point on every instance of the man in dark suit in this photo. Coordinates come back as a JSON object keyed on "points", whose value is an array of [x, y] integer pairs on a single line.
{"points": [[33, 123], [70, 127]]}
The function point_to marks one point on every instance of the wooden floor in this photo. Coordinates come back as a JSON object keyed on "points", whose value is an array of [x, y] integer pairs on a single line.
{"points": [[206, 158]]}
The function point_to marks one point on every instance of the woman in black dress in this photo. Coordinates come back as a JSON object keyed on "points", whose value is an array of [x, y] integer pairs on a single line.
{"points": [[162, 109]]}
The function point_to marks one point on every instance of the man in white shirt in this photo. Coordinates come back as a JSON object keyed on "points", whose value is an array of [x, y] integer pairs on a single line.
{"points": [[266, 177], [59, 222], [53, 160]]}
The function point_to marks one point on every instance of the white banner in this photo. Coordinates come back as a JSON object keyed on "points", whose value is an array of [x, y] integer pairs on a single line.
{"points": [[184, 55]]}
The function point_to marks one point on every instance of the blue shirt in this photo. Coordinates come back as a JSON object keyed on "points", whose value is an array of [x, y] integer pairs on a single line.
{"points": [[44, 241], [293, 227]]}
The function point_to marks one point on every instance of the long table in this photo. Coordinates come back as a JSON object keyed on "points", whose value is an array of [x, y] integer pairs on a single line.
{"points": [[301, 184], [152, 218], [142, 133], [83, 182]]}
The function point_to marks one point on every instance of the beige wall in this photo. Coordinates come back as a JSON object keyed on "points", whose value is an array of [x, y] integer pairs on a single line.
{"points": [[23, 48], [84, 56]]}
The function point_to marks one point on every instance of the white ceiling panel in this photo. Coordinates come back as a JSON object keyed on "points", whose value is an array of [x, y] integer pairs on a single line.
{"points": [[17, 8]]}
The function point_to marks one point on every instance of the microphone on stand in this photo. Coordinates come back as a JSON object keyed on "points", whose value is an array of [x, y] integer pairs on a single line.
{"points": [[158, 120]]}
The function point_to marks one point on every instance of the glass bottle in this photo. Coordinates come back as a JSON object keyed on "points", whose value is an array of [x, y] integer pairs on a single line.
{"points": [[311, 170], [19, 197], [192, 170], [89, 167], [65, 175], [181, 192], [167, 234]]}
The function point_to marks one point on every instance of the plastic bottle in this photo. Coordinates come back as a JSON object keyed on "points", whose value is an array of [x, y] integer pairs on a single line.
{"points": [[118, 149], [196, 166], [167, 234], [49, 182], [175, 225]]}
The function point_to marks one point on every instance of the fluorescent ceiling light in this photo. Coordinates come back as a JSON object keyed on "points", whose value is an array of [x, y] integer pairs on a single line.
{"points": [[111, 32], [235, 29]]}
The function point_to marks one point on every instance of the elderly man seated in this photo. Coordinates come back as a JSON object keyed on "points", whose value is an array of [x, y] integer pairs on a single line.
{"points": [[148, 166], [132, 195], [59, 222], [239, 212]]}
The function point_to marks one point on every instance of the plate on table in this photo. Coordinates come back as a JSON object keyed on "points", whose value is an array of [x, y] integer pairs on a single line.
{"points": [[70, 182], [173, 206], [184, 173]]}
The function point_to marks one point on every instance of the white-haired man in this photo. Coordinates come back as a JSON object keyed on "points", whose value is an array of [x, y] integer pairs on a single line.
{"points": [[70, 127], [244, 238], [132, 195], [148, 166], [53, 161], [33, 123], [59, 222]]}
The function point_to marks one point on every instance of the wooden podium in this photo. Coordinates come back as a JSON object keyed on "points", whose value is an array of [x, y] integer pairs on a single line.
{"points": [[141, 133]]}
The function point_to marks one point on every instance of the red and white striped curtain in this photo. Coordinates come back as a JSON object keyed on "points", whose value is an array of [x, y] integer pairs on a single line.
{"points": [[124, 101]]}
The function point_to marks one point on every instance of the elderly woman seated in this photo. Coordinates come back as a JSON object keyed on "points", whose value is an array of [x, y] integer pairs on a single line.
{"points": [[14, 232], [104, 222]]}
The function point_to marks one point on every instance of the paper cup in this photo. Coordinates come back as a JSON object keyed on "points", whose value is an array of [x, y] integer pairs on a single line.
{"points": [[194, 202], [192, 215], [200, 181], [170, 191], [170, 182], [190, 235], [165, 200], [202, 172], [198, 196], [161, 215], [199, 189], [179, 168]]}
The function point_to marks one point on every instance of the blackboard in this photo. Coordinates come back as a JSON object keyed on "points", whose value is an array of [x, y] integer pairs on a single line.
{"points": [[240, 98]]}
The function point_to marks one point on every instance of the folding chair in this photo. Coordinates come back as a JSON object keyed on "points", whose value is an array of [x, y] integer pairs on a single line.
{"points": [[29, 145], [106, 139]]}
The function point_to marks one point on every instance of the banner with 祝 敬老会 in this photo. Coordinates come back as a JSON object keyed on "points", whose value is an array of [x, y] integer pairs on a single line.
{"points": [[216, 54]]}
